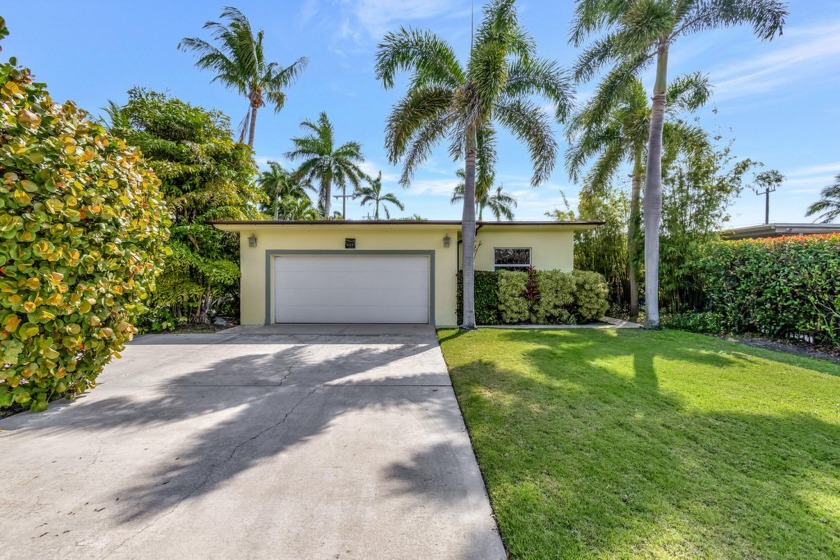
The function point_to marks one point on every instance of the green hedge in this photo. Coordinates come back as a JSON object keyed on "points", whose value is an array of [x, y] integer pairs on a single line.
{"points": [[782, 287], [486, 301], [556, 298]]}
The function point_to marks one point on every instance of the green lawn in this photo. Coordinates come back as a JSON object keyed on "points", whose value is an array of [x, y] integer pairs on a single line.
{"points": [[638, 444]]}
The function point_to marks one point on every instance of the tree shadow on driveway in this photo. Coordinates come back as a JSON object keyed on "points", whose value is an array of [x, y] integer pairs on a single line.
{"points": [[167, 431]]}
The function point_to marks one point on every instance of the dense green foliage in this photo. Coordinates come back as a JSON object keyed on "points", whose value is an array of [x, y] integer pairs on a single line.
{"points": [[82, 236], [780, 287], [643, 444], [486, 300], [699, 187], [205, 176], [285, 195], [556, 291], [556, 297], [513, 305]]}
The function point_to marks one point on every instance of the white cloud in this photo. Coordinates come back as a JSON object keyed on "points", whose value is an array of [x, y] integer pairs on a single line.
{"points": [[810, 179], [433, 187], [803, 56], [372, 169], [376, 17]]}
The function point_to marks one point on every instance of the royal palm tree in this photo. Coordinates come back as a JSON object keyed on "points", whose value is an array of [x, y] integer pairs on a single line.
{"points": [[828, 204], [324, 164], [372, 194], [279, 186], [632, 34], [463, 104], [239, 63], [620, 136], [500, 203]]}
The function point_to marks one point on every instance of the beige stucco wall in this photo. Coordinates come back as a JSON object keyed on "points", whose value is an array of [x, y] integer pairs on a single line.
{"points": [[394, 238], [550, 250]]}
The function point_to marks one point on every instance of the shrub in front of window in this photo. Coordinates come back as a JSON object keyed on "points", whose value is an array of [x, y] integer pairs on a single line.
{"points": [[513, 306], [82, 236], [556, 290], [591, 292]]}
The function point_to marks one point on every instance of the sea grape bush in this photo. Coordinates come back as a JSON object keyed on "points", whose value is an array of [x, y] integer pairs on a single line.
{"points": [[83, 231]]}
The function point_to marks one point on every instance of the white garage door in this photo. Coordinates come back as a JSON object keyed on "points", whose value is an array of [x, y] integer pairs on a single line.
{"points": [[351, 289]]}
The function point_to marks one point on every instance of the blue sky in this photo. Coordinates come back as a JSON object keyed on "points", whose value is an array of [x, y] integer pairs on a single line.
{"points": [[779, 100]]}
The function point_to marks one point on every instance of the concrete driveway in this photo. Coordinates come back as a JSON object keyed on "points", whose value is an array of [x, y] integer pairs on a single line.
{"points": [[329, 442]]}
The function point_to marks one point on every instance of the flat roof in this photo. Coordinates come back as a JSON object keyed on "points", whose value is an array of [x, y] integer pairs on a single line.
{"points": [[368, 223], [779, 229]]}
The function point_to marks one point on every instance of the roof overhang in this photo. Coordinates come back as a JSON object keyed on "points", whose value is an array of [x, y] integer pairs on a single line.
{"points": [[255, 225], [778, 230]]}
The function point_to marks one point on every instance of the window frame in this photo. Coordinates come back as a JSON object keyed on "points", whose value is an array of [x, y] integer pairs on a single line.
{"points": [[514, 267]]}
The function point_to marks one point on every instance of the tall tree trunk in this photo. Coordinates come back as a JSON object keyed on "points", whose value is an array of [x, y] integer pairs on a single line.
{"points": [[653, 188], [344, 201], [633, 234], [376, 211], [253, 125], [468, 234], [326, 183]]}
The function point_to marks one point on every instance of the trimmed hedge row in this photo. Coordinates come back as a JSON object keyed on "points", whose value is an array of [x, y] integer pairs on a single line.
{"points": [[780, 287], [537, 296]]}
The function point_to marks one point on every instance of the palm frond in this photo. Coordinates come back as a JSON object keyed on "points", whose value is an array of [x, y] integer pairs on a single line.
{"points": [[431, 59], [532, 125]]}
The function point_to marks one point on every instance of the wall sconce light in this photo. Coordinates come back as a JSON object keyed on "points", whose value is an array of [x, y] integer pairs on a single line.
{"points": [[252, 241], [446, 240]]}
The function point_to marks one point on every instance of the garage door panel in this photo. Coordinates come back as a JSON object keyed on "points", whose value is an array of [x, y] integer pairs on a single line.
{"points": [[351, 289]]}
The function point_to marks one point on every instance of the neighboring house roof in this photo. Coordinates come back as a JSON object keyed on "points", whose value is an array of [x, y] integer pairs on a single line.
{"points": [[779, 230], [239, 225]]}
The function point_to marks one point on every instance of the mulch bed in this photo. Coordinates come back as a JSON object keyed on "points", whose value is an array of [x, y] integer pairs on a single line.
{"points": [[799, 348]]}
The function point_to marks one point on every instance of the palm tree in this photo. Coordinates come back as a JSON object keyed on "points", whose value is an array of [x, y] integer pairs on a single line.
{"points": [[828, 204], [621, 136], [631, 35], [500, 203], [297, 209], [325, 164], [373, 194], [239, 63], [279, 185], [463, 104]]}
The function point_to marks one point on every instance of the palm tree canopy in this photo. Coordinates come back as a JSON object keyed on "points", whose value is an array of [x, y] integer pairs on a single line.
{"points": [[372, 194], [500, 203], [828, 206], [616, 136], [278, 184], [447, 101], [631, 31], [239, 63], [239, 60], [324, 163]]}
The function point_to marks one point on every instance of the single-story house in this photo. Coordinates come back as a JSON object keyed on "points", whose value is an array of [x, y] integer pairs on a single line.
{"points": [[344, 271], [780, 230]]}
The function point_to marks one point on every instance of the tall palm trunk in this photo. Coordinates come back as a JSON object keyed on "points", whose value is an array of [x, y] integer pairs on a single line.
{"points": [[468, 234], [256, 99], [376, 210], [653, 188], [633, 234], [326, 183], [252, 126]]}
